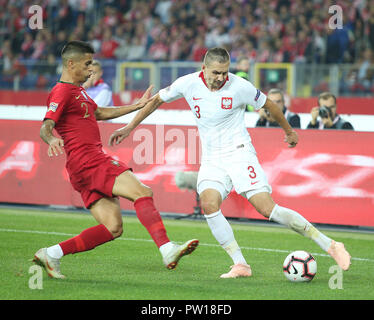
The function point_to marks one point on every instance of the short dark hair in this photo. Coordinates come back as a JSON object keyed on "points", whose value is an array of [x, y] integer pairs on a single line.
{"points": [[75, 47], [216, 54], [326, 95], [277, 91]]}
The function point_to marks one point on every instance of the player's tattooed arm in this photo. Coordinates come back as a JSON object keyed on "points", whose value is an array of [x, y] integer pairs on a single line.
{"points": [[46, 133]]}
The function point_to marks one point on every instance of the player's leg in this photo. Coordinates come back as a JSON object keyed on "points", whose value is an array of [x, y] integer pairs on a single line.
{"points": [[211, 197], [107, 212], [127, 185], [266, 206]]}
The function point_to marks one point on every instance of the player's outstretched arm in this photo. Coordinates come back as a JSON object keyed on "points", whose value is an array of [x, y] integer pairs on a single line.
{"points": [[122, 133], [55, 144], [291, 136], [107, 113]]}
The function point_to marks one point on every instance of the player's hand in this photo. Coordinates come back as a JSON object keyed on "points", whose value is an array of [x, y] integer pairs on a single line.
{"points": [[292, 139], [118, 135], [146, 97], [314, 113], [56, 146], [262, 114]]}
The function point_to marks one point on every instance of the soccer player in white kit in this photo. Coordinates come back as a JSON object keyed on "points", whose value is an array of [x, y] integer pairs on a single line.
{"points": [[218, 100]]}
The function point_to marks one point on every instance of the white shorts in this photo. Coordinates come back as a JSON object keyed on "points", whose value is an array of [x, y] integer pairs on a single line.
{"points": [[240, 170]]}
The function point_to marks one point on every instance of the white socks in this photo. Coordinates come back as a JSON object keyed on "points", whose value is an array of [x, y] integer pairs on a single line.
{"points": [[55, 252], [165, 248], [296, 222], [223, 233]]}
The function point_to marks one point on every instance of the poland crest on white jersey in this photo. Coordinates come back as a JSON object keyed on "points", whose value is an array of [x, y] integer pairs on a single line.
{"points": [[219, 114]]}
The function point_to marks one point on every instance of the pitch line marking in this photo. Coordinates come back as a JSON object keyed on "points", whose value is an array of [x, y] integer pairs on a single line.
{"points": [[149, 240]]}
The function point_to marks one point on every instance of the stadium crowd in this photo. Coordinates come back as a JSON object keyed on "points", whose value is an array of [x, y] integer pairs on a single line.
{"points": [[168, 30]]}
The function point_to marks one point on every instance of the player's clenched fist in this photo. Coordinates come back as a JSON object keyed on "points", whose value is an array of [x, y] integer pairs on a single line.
{"points": [[292, 139]]}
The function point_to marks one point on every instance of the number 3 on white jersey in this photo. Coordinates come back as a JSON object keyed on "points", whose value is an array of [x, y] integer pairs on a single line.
{"points": [[197, 112]]}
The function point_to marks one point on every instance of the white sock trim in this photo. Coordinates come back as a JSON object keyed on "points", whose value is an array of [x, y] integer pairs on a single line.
{"points": [[55, 252], [212, 215]]}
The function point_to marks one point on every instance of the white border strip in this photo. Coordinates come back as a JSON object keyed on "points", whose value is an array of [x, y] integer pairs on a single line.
{"points": [[149, 240], [173, 117]]}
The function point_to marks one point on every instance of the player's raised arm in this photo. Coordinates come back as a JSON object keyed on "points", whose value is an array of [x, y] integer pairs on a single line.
{"points": [[122, 133], [55, 144], [291, 136], [107, 113]]}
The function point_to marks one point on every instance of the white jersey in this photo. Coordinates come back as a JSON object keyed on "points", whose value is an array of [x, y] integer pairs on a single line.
{"points": [[219, 114]]}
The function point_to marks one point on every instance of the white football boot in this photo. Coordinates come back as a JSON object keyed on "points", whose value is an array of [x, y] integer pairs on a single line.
{"points": [[51, 265], [176, 252]]}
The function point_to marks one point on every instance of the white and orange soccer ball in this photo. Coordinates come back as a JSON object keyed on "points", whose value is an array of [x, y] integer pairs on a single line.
{"points": [[300, 266]]}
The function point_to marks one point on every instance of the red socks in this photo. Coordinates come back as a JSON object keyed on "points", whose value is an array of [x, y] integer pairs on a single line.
{"points": [[86, 240], [97, 235], [150, 218]]}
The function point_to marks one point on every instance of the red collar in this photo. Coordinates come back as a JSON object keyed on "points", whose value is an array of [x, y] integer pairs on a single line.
{"points": [[98, 82], [201, 75]]}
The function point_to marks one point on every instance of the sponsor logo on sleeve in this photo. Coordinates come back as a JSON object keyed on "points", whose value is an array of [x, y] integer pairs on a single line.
{"points": [[257, 95], [53, 106]]}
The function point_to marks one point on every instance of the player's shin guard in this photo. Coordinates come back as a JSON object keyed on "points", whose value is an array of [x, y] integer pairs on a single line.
{"points": [[87, 240], [296, 222], [150, 218]]}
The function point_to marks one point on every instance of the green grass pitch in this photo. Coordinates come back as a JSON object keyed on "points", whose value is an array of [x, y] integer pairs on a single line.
{"points": [[130, 268]]}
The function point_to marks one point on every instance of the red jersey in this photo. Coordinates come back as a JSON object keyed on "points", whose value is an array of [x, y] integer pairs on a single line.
{"points": [[91, 171], [73, 111]]}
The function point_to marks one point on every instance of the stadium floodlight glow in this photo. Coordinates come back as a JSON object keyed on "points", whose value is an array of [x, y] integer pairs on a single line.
{"points": [[188, 180]]}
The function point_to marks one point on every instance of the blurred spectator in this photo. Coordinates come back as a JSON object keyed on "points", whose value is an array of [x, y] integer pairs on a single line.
{"points": [[326, 111], [365, 70], [96, 88], [65, 17], [198, 50], [137, 50], [162, 9], [108, 45], [27, 45], [12, 67], [242, 67], [337, 45], [39, 46], [158, 51], [266, 119], [242, 71], [59, 43], [93, 40]]}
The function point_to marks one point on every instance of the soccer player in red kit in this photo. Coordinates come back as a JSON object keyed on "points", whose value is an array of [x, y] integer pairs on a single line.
{"points": [[98, 177]]}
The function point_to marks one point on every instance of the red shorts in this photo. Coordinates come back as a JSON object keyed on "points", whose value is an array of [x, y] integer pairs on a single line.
{"points": [[95, 180]]}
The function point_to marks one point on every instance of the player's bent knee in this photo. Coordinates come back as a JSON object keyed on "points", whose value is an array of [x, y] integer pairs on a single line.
{"points": [[209, 206], [115, 229]]}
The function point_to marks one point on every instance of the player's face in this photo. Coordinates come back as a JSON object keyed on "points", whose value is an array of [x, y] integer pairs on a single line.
{"points": [[96, 73], [215, 74], [82, 67], [277, 99], [329, 103]]}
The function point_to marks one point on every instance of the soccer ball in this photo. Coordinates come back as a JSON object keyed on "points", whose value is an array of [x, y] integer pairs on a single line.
{"points": [[300, 266]]}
